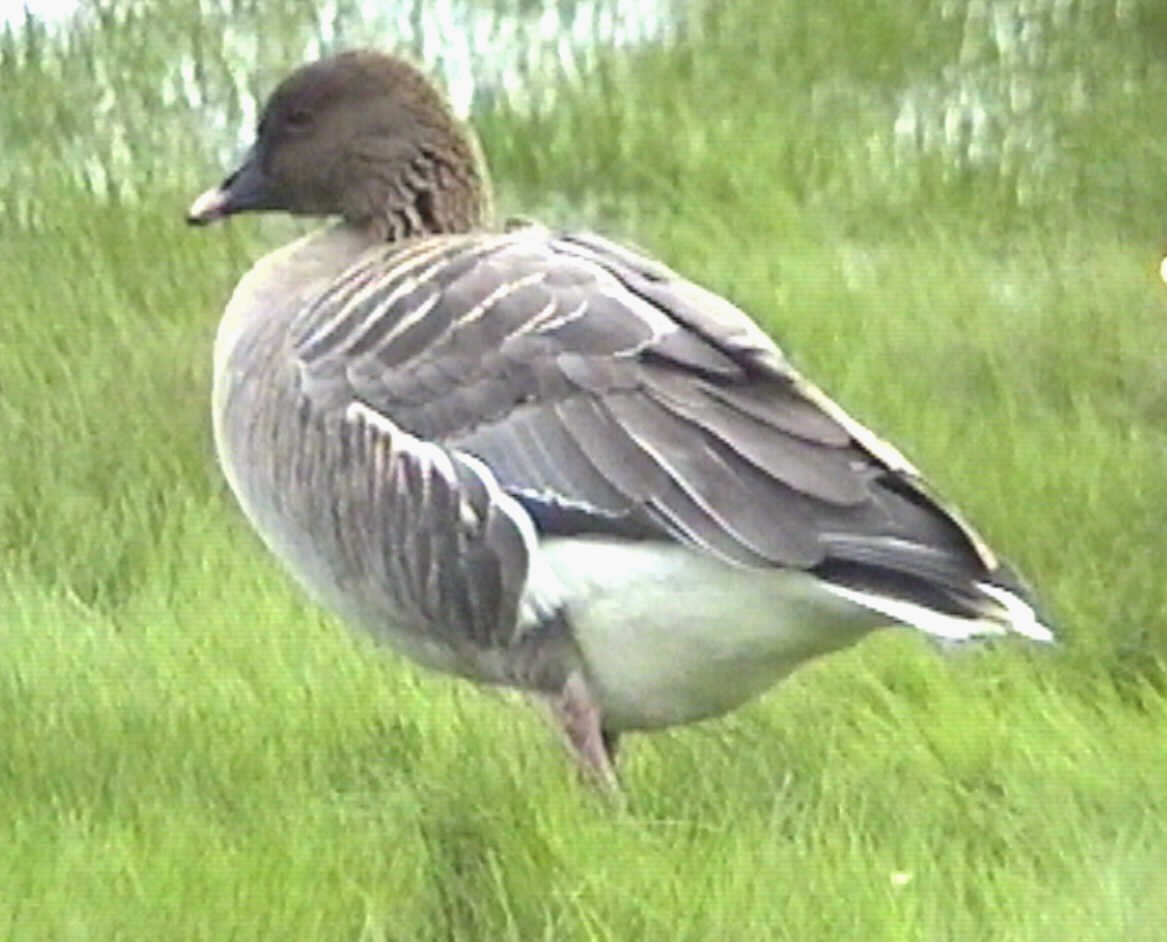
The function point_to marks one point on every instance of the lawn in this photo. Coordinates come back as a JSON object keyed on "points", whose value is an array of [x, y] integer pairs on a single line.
{"points": [[951, 216]]}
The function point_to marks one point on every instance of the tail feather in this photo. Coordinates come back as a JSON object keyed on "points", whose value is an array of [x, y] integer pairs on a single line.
{"points": [[1022, 618], [939, 594], [1011, 615]]}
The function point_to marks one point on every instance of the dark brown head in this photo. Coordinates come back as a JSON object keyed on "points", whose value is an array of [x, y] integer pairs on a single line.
{"points": [[363, 135]]}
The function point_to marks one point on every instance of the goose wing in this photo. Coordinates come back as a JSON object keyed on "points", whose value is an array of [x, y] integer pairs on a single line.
{"points": [[607, 395]]}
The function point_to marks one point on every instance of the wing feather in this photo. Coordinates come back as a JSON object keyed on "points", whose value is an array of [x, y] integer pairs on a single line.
{"points": [[606, 394]]}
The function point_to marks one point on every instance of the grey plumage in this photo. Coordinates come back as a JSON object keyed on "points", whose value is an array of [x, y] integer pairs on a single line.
{"points": [[436, 425], [581, 392]]}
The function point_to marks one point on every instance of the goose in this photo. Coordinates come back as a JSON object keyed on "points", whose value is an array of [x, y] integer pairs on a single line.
{"points": [[538, 458]]}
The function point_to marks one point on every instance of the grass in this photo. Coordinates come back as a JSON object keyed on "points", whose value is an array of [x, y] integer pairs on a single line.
{"points": [[189, 750]]}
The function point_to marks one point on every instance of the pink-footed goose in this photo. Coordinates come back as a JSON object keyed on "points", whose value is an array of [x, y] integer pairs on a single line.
{"points": [[538, 458]]}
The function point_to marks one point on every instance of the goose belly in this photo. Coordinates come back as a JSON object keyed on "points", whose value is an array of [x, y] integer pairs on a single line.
{"points": [[669, 635]]}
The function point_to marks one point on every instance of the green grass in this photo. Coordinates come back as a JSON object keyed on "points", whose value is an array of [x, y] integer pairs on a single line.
{"points": [[189, 750]]}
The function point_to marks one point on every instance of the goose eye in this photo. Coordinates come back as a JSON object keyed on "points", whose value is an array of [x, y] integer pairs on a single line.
{"points": [[298, 119]]}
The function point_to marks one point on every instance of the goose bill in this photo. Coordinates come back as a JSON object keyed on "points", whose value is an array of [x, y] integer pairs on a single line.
{"points": [[248, 188]]}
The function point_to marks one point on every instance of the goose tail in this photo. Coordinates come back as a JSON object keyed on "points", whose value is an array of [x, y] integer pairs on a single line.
{"points": [[980, 605]]}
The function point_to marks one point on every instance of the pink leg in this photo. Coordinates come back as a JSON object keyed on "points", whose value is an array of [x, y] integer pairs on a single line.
{"points": [[578, 717]]}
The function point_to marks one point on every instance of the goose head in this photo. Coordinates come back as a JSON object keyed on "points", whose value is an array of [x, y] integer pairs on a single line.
{"points": [[365, 136]]}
